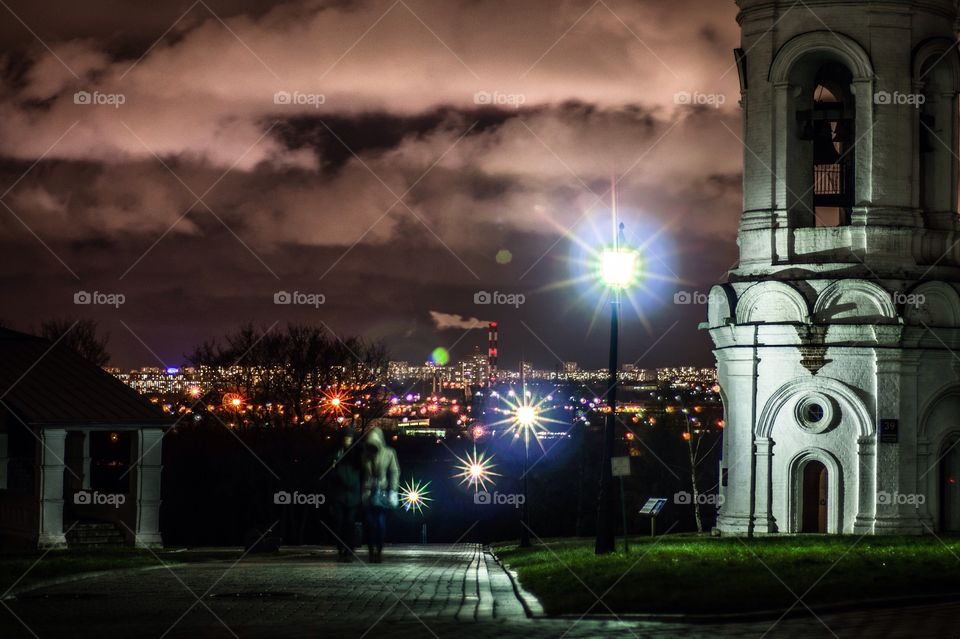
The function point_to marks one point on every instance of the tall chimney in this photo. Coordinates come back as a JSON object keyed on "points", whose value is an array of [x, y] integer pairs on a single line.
{"points": [[493, 353]]}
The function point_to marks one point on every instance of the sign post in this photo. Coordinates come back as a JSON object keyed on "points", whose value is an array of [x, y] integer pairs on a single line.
{"points": [[651, 509], [621, 469]]}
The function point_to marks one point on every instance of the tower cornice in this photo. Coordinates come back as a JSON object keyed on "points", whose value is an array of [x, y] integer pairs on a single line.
{"points": [[946, 8]]}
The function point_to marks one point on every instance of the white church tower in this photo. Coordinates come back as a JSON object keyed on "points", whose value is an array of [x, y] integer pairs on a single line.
{"points": [[838, 334]]}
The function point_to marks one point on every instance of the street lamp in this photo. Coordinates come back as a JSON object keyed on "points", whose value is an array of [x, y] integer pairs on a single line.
{"points": [[618, 269], [526, 419]]}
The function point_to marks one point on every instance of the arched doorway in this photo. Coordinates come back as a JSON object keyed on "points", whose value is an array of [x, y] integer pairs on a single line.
{"points": [[950, 486], [813, 499]]}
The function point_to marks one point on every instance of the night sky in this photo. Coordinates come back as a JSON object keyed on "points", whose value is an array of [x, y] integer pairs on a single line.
{"points": [[438, 149]]}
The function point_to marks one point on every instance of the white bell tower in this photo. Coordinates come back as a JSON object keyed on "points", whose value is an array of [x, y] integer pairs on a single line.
{"points": [[838, 334]]}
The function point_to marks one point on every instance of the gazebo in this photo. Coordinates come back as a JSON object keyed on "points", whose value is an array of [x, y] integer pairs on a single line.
{"points": [[80, 451]]}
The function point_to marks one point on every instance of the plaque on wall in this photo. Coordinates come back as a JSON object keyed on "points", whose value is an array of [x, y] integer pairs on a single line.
{"points": [[889, 431]]}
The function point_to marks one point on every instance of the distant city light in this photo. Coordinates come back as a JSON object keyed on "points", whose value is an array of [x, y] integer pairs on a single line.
{"points": [[172, 370], [335, 401], [233, 401]]}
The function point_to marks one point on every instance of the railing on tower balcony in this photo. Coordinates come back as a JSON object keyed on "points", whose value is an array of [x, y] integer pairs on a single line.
{"points": [[828, 179], [832, 185]]}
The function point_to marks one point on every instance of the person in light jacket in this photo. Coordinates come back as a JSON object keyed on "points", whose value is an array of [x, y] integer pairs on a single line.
{"points": [[380, 472]]}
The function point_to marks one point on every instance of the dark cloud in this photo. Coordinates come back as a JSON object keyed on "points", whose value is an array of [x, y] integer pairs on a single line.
{"points": [[448, 133]]}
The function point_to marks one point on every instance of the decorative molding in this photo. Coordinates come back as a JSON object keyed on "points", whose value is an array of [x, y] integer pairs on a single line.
{"points": [[842, 46]]}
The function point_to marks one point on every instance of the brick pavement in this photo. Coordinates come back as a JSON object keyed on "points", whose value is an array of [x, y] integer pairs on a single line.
{"points": [[431, 592]]}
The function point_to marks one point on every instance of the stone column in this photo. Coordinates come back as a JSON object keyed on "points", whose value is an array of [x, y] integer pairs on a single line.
{"points": [[896, 472], [4, 460], [929, 486], [86, 460], [763, 520], [863, 92], [148, 448], [737, 372], [52, 451], [867, 485]]}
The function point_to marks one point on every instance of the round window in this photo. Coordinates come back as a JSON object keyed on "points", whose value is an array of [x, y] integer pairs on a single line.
{"points": [[815, 413]]}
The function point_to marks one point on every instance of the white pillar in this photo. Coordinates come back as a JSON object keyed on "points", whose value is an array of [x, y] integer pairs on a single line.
{"points": [[867, 485], [4, 460], [929, 486], [896, 471], [764, 521], [148, 448], [53, 449], [737, 373], [86, 460]]}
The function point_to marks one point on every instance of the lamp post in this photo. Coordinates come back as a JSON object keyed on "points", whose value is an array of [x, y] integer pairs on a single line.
{"points": [[618, 268], [525, 417]]}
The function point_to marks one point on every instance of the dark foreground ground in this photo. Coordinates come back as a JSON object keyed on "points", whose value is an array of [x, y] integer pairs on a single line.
{"points": [[703, 575], [456, 592]]}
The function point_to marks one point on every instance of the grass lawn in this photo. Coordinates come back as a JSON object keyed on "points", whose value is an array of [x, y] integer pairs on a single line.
{"points": [[20, 569], [702, 575]]}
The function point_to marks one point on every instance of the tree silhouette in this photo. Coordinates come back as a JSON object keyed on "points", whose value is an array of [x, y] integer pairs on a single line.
{"points": [[81, 335]]}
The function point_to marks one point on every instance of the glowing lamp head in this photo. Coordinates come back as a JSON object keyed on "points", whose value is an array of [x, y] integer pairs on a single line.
{"points": [[236, 401], [619, 267], [335, 401], [476, 471], [526, 416], [415, 496]]}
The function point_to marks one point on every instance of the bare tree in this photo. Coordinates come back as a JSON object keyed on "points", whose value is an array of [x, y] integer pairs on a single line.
{"points": [[694, 438], [286, 376], [80, 335]]}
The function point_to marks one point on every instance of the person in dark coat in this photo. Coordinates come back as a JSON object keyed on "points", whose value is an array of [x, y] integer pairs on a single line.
{"points": [[344, 471], [381, 480]]}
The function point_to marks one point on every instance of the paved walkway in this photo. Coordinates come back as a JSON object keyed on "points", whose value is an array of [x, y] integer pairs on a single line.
{"points": [[429, 592]]}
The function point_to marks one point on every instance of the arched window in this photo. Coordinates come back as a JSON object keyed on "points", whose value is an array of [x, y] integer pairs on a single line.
{"points": [[826, 132], [823, 109], [935, 138]]}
